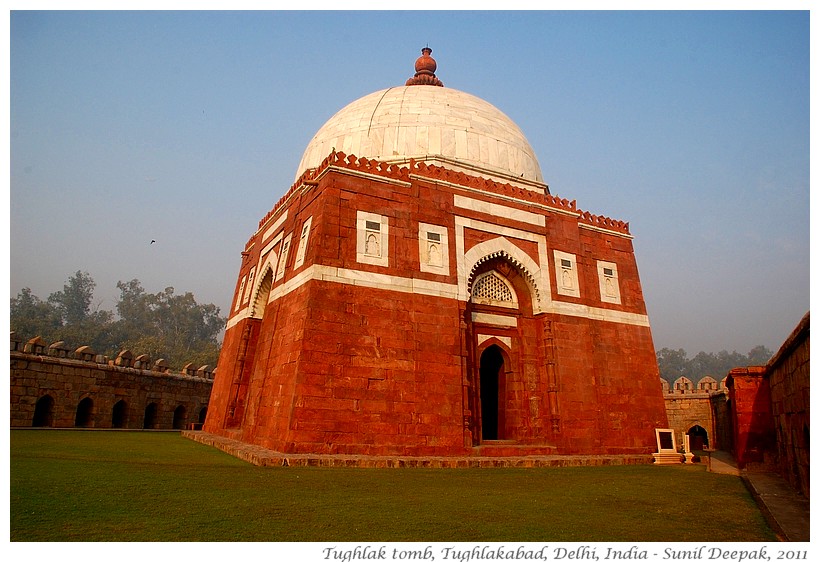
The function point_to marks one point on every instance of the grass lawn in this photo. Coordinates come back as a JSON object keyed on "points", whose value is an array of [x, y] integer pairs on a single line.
{"points": [[145, 486]]}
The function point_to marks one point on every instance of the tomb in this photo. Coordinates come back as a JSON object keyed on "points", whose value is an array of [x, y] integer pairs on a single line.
{"points": [[419, 291]]}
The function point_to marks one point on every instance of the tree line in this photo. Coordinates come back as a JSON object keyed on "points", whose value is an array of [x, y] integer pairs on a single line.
{"points": [[164, 325], [673, 363]]}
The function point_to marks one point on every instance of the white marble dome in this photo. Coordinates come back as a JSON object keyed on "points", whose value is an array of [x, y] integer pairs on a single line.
{"points": [[436, 124]]}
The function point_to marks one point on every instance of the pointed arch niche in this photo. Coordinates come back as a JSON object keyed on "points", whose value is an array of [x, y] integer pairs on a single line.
{"points": [[500, 302], [245, 362], [261, 293], [534, 270]]}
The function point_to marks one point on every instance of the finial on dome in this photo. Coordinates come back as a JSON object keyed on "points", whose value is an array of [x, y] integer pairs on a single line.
{"points": [[425, 70]]}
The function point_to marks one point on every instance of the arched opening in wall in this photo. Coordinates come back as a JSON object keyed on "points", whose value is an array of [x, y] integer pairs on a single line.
{"points": [[85, 413], [502, 297], [179, 417], [44, 412], [119, 415], [246, 356], [698, 438], [203, 413], [150, 419], [260, 299], [490, 379]]}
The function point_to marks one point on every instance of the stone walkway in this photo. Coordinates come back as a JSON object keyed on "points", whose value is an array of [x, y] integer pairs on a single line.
{"points": [[786, 511]]}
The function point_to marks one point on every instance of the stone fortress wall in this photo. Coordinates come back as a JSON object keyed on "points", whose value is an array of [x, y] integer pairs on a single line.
{"points": [[770, 409], [54, 386], [789, 380], [698, 410]]}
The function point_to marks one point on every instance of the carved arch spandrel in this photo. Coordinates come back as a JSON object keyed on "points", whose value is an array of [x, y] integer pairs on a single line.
{"points": [[502, 248], [262, 291]]}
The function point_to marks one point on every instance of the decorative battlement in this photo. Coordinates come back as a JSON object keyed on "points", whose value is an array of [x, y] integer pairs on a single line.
{"points": [[440, 173], [37, 347], [604, 222], [397, 172]]}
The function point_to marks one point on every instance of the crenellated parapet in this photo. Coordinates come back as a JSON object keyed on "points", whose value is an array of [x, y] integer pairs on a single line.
{"points": [[55, 385], [337, 160], [605, 223], [403, 171], [388, 170], [125, 359]]}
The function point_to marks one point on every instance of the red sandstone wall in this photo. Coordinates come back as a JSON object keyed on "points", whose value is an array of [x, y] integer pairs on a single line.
{"points": [[770, 411], [750, 396], [348, 368], [610, 397]]}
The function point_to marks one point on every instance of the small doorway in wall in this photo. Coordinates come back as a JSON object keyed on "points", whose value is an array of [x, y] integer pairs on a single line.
{"points": [[491, 380], [44, 412], [179, 417], [698, 438], [85, 411], [150, 419], [119, 415]]}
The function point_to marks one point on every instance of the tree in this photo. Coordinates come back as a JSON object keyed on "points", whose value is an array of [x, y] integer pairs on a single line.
{"points": [[759, 355], [166, 324], [74, 301], [30, 316], [163, 325], [674, 363], [80, 325]]}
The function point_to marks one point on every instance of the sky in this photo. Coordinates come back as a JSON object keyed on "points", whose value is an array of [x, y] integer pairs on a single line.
{"points": [[186, 128]]}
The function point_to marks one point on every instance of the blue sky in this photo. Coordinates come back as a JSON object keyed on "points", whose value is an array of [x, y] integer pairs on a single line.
{"points": [[187, 127]]}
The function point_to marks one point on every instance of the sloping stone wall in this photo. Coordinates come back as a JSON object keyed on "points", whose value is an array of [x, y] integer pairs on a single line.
{"points": [[788, 373]]}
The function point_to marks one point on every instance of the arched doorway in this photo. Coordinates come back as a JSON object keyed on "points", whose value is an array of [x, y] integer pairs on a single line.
{"points": [[698, 438], [491, 374], [203, 413], [150, 419], [179, 417], [85, 411], [44, 412], [119, 415]]}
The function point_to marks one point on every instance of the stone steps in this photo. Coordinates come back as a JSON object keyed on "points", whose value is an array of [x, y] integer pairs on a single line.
{"points": [[266, 457]]}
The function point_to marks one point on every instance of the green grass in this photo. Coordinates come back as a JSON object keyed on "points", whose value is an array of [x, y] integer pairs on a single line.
{"points": [[145, 486]]}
